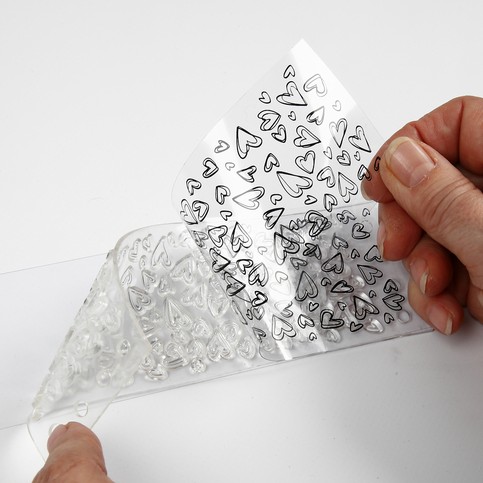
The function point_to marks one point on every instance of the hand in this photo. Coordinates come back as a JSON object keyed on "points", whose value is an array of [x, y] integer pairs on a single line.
{"points": [[75, 455], [428, 179]]}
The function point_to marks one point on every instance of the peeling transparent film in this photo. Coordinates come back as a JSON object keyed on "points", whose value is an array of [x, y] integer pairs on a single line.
{"points": [[276, 257]]}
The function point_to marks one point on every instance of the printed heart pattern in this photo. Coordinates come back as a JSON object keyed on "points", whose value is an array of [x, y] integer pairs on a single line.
{"points": [[296, 148]]}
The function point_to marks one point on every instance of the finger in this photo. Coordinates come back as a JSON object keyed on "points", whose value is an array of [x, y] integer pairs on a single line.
{"points": [[438, 198], [397, 234], [430, 266], [475, 302], [453, 129], [442, 311], [75, 454]]}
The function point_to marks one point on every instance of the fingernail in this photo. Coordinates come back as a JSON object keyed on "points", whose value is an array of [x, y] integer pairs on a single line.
{"points": [[408, 161], [440, 318], [54, 435], [419, 273], [381, 237], [480, 297]]}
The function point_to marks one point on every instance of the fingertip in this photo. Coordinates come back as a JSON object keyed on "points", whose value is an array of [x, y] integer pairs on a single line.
{"points": [[55, 435], [442, 311]]}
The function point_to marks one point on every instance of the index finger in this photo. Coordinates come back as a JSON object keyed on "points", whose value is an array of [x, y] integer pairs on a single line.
{"points": [[453, 129]]}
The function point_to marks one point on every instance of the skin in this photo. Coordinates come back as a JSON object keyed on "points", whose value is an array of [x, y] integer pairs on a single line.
{"points": [[437, 226], [75, 456]]}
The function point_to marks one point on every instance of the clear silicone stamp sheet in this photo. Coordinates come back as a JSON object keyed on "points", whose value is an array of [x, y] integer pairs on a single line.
{"points": [[275, 257]]}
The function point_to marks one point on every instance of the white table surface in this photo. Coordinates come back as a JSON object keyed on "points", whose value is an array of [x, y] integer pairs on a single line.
{"points": [[100, 104]]}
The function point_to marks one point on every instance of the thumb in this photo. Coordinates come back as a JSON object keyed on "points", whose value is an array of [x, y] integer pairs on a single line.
{"points": [[75, 454], [439, 198]]}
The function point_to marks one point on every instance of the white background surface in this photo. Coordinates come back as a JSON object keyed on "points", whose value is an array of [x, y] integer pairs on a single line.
{"points": [[100, 104]]}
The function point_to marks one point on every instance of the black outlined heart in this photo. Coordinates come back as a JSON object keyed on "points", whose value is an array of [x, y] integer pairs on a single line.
{"points": [[342, 287], [259, 299], [355, 327], [310, 200], [325, 282], [275, 198], [225, 214], [240, 238], [243, 264], [281, 328], [317, 116], [265, 98], [329, 201], [270, 162], [363, 307], [201, 209], [345, 216], [358, 232], [327, 320], [289, 72], [359, 140], [259, 313], [373, 254], [281, 134], [272, 216], [192, 185], [303, 321], [269, 119], [342, 305], [298, 262], [355, 253], [326, 174], [388, 318], [319, 223], [221, 192], [372, 294], [293, 184], [337, 106], [390, 286], [229, 165], [312, 250], [376, 163], [364, 173], [316, 82], [366, 212], [313, 306], [249, 199], [393, 301], [346, 187], [216, 235], [258, 275], [334, 264], [306, 163], [339, 242], [357, 156], [338, 130], [221, 147], [292, 116], [284, 308], [305, 138], [344, 158], [292, 96], [370, 273], [219, 261], [246, 140], [211, 168], [233, 285], [187, 214], [328, 152], [247, 173]]}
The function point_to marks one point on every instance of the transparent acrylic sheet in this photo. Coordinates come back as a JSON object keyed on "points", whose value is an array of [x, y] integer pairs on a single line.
{"points": [[282, 260]]}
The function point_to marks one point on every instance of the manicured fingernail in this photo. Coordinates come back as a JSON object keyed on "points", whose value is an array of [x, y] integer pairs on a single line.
{"points": [[381, 237], [58, 430], [440, 318], [408, 161], [419, 272]]}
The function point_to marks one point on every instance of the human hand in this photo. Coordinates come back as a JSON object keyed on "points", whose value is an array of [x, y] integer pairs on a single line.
{"points": [[75, 455], [428, 179]]}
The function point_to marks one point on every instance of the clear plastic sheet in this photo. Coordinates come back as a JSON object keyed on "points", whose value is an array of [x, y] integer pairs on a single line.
{"points": [[276, 257]]}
